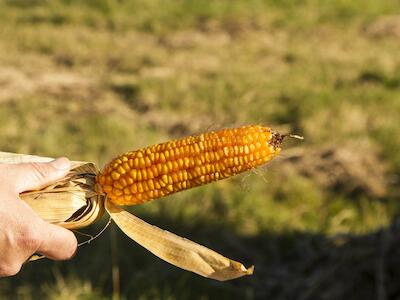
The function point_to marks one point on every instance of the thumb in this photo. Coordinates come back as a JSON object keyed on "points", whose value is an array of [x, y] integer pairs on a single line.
{"points": [[33, 176]]}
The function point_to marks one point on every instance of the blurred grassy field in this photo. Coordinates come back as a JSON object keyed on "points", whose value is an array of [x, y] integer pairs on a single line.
{"points": [[91, 79]]}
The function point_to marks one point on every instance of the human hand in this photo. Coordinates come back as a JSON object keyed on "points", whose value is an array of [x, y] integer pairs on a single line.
{"points": [[22, 232]]}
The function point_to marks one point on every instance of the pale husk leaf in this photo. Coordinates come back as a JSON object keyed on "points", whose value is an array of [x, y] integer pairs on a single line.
{"points": [[176, 250]]}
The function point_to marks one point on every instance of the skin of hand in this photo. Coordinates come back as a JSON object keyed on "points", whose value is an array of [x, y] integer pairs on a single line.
{"points": [[22, 232]]}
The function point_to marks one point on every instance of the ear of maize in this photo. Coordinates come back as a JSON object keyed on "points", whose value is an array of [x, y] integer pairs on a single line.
{"points": [[159, 170]]}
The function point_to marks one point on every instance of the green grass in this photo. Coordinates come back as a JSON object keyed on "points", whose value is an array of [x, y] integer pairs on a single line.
{"points": [[92, 79]]}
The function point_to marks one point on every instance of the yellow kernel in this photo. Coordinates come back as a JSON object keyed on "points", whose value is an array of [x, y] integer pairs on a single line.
{"points": [[136, 162], [175, 177], [150, 173], [127, 198], [169, 165], [226, 151], [236, 150], [142, 163], [147, 161], [121, 170], [107, 189], [133, 174], [140, 187], [196, 171], [164, 169], [198, 161], [186, 161], [126, 167], [144, 174], [115, 175], [203, 169], [164, 178], [150, 184], [214, 156], [162, 183], [154, 170], [118, 185], [123, 182], [102, 179], [134, 189], [180, 162], [109, 180]]}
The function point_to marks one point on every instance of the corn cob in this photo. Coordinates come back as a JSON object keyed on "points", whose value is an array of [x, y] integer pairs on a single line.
{"points": [[159, 170]]}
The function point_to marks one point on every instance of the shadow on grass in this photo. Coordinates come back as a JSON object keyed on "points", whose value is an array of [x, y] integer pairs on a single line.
{"points": [[288, 266]]}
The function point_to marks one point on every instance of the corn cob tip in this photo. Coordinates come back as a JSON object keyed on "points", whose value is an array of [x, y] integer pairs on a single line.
{"points": [[277, 138]]}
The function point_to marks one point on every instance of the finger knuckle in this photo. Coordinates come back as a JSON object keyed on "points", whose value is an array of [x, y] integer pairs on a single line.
{"points": [[40, 171], [30, 239]]}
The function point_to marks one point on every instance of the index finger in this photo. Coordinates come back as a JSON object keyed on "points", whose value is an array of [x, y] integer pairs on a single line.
{"points": [[58, 243]]}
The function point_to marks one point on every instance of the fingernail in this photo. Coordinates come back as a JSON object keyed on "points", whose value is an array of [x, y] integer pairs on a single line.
{"points": [[61, 163]]}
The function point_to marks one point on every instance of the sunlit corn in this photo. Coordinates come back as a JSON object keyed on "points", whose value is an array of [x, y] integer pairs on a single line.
{"points": [[159, 170]]}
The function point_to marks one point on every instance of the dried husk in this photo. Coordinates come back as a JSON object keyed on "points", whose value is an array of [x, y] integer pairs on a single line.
{"points": [[73, 203], [176, 250]]}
